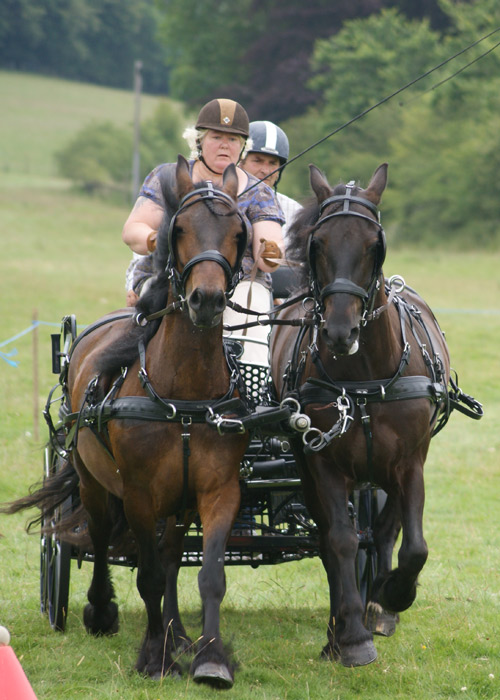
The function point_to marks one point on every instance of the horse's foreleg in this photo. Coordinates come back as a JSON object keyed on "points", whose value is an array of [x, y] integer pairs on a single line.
{"points": [[385, 532], [330, 565], [217, 512], [399, 588], [353, 643], [171, 549], [348, 640], [155, 659]]}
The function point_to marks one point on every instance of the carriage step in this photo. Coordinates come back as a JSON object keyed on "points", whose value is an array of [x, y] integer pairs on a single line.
{"points": [[269, 468], [273, 484]]}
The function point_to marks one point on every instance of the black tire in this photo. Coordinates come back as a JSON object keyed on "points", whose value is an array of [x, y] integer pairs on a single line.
{"points": [[367, 505], [55, 559]]}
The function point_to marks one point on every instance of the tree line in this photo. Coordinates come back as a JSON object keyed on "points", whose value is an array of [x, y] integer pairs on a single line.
{"points": [[257, 51], [441, 137], [95, 41]]}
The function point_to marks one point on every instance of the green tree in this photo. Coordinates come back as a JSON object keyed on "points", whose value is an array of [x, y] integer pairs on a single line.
{"points": [[205, 42], [258, 51], [368, 60], [92, 40], [99, 158], [441, 137], [355, 69], [446, 174]]}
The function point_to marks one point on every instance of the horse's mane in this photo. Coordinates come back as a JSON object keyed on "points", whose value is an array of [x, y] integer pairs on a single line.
{"points": [[125, 349], [298, 235]]}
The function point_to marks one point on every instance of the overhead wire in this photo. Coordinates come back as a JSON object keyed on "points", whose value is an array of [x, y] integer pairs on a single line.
{"points": [[390, 97], [450, 77]]}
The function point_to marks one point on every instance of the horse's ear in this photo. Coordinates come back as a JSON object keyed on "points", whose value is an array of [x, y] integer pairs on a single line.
{"points": [[377, 184], [168, 184], [184, 181], [230, 181], [319, 183]]}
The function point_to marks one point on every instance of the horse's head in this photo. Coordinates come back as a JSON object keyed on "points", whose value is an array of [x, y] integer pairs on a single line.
{"points": [[206, 240], [346, 249]]}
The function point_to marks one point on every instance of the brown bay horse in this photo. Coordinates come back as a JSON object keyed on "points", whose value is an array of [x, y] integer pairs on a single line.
{"points": [[140, 438], [372, 376]]}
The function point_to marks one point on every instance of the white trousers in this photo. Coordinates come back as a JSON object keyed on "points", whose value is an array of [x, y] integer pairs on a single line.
{"points": [[255, 339]]}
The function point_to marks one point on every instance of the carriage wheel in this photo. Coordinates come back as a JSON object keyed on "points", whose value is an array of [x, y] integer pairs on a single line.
{"points": [[367, 503], [55, 559]]}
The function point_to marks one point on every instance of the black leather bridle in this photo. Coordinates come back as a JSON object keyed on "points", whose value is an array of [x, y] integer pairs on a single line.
{"points": [[208, 195], [342, 285]]}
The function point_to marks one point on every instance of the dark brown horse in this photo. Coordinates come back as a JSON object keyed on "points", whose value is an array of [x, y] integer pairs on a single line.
{"points": [[372, 375], [140, 438]]}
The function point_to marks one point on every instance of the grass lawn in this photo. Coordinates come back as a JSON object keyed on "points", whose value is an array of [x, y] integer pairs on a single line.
{"points": [[62, 254]]}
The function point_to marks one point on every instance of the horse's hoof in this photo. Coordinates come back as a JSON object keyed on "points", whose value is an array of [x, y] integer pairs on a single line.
{"points": [[380, 621], [106, 623], [182, 645], [155, 674], [393, 596], [216, 675], [358, 655]]}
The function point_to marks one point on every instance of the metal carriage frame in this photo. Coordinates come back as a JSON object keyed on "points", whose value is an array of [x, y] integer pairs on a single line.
{"points": [[273, 525]]}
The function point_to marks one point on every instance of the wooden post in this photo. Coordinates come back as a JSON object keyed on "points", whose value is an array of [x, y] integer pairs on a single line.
{"points": [[36, 432], [137, 129]]}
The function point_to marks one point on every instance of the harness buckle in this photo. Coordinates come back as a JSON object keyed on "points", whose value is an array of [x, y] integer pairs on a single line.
{"points": [[223, 424], [186, 421], [298, 421], [397, 283], [174, 412], [314, 440]]}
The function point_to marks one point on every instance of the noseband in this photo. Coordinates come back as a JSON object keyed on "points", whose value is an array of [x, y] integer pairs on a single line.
{"points": [[342, 285], [207, 195]]}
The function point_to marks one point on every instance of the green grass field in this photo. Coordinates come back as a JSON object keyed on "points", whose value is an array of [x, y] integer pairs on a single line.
{"points": [[62, 253], [39, 115]]}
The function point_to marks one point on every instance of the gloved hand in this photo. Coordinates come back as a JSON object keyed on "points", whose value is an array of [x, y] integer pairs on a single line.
{"points": [[270, 249], [151, 242]]}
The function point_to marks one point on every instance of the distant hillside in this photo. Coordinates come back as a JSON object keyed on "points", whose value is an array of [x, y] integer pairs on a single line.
{"points": [[39, 115]]}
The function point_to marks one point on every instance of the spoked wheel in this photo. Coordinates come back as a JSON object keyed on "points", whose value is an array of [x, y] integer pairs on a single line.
{"points": [[55, 558], [367, 505]]}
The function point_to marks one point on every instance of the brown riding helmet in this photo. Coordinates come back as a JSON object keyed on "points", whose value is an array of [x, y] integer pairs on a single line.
{"points": [[224, 115]]}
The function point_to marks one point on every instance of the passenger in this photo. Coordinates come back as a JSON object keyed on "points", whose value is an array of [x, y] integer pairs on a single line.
{"points": [[269, 149], [218, 139]]}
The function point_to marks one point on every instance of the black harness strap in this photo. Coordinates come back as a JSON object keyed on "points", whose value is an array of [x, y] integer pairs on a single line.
{"points": [[186, 453], [346, 395]]}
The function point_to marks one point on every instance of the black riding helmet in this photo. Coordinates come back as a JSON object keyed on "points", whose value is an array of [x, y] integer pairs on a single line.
{"points": [[270, 139]]}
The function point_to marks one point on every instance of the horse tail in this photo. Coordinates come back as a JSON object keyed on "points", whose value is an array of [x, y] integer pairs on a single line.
{"points": [[62, 513], [48, 496]]}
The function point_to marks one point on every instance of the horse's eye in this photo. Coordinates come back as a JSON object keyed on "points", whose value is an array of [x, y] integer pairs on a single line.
{"points": [[373, 250], [241, 237]]}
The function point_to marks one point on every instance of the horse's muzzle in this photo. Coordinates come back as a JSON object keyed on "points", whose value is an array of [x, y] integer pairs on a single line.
{"points": [[206, 307], [341, 340]]}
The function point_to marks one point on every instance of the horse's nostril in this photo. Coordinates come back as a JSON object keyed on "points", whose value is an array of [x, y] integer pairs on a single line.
{"points": [[220, 302], [208, 303], [196, 299], [354, 333]]}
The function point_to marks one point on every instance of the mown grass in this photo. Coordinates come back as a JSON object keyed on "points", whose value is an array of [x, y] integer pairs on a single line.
{"points": [[62, 254], [39, 115]]}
